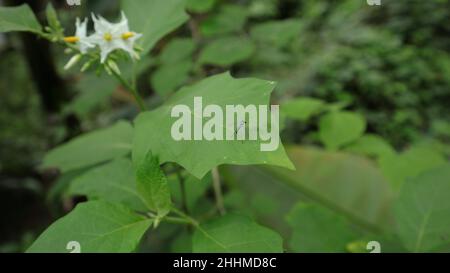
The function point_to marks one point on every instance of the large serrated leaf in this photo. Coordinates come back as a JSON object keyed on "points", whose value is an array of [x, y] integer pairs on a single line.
{"points": [[153, 129]]}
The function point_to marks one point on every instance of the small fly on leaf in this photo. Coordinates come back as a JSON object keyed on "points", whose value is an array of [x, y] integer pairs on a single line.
{"points": [[240, 126]]}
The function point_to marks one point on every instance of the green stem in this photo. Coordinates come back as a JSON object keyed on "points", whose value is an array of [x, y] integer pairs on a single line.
{"points": [[133, 90], [218, 190], [182, 189], [186, 217]]}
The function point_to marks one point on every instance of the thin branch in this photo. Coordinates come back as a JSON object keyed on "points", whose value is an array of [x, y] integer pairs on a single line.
{"points": [[218, 190]]}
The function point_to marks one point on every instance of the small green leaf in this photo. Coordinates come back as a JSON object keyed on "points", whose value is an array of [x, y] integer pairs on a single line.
{"points": [[276, 33], [302, 108], [20, 18], [114, 182], [339, 128], [422, 210], [200, 6], [92, 148], [152, 186], [398, 167], [371, 145], [52, 19], [154, 19], [227, 51], [97, 226], [235, 234], [229, 19], [94, 92], [316, 229], [169, 77], [179, 49]]}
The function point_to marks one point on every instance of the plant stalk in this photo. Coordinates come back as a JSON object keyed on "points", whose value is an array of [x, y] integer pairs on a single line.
{"points": [[218, 190]]}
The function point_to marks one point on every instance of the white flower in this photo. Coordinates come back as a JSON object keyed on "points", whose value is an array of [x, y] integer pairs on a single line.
{"points": [[109, 36], [80, 37]]}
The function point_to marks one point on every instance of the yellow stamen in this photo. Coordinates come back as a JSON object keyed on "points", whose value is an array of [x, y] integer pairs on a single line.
{"points": [[127, 35], [71, 39], [108, 37]]}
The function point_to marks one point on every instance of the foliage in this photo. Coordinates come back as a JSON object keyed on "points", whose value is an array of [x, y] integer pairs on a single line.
{"points": [[363, 114]]}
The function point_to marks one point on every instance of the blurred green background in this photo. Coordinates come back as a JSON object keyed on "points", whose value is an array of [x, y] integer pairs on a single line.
{"points": [[388, 64]]}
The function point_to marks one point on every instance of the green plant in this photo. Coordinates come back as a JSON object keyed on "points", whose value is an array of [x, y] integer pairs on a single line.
{"points": [[344, 187]]}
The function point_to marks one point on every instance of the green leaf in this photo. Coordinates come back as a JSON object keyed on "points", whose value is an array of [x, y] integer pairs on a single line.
{"points": [[179, 49], [154, 19], [20, 18], [52, 19], [97, 226], [92, 148], [316, 229], [276, 33], [302, 108], [422, 210], [200, 6], [152, 186], [371, 145], [230, 18], [153, 129], [339, 128], [114, 182], [235, 234], [398, 167], [227, 51], [167, 78], [346, 183], [94, 91]]}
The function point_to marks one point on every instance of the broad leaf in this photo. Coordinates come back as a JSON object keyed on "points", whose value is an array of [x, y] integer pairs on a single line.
{"points": [[348, 183], [316, 229], [92, 148], [422, 210], [20, 18], [340, 128], [97, 226], [113, 182], [153, 129], [235, 234], [227, 51], [302, 108], [154, 19], [152, 185]]}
